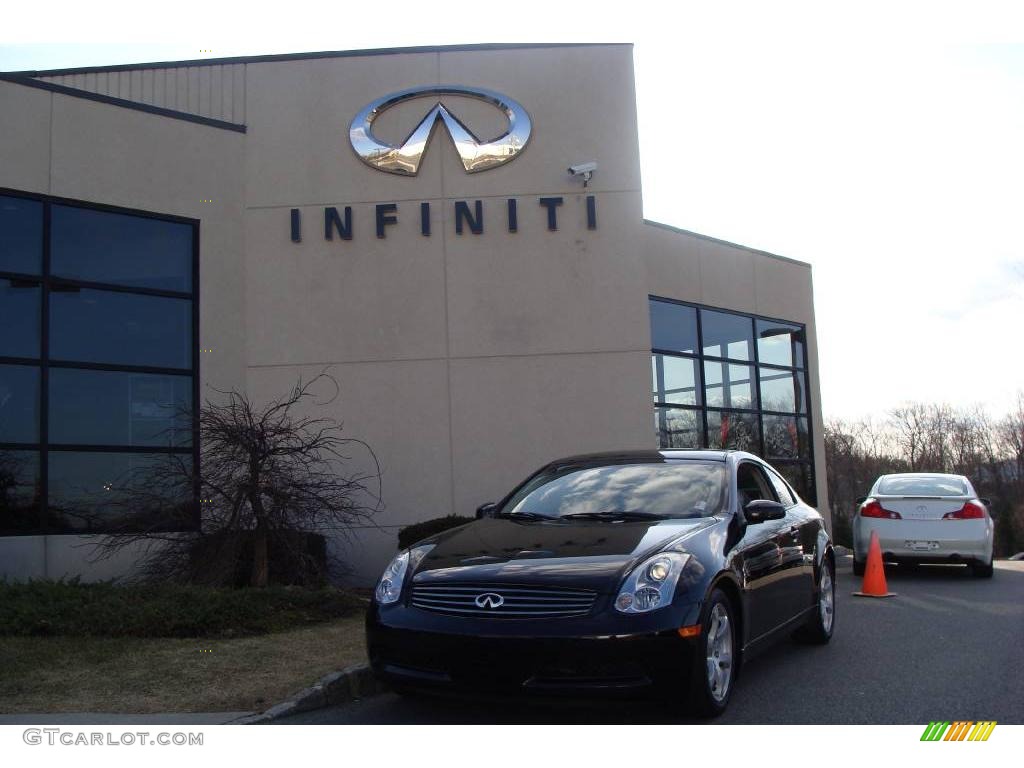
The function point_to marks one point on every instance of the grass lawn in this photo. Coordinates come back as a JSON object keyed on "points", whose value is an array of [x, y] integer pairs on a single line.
{"points": [[172, 674]]}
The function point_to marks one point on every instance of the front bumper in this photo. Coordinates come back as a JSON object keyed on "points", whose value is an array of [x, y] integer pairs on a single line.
{"points": [[505, 656]]}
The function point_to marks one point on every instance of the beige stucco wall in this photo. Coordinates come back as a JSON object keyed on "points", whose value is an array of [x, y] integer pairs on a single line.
{"points": [[70, 147], [216, 91], [465, 361]]}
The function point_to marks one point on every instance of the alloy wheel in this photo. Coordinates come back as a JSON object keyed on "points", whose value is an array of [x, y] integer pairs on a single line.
{"points": [[826, 599], [719, 653]]}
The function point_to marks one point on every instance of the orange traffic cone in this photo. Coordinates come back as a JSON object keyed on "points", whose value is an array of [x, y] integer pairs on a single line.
{"points": [[874, 572]]}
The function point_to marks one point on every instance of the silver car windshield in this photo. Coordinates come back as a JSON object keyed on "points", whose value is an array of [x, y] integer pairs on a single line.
{"points": [[690, 489], [907, 485]]}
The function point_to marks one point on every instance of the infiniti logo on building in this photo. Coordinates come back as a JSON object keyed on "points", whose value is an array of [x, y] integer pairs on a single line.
{"points": [[476, 155], [489, 600]]}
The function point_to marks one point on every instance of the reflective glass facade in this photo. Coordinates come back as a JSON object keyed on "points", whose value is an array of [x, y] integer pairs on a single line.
{"points": [[729, 380], [98, 369]]}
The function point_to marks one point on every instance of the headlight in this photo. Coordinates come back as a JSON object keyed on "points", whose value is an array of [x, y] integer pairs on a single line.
{"points": [[652, 583], [389, 588]]}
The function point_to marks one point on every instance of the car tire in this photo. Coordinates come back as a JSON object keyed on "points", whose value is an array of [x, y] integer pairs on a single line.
{"points": [[858, 567], [711, 690], [982, 570], [822, 621]]}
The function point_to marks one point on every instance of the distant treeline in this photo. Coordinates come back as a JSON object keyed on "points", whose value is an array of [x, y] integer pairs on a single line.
{"points": [[928, 437]]}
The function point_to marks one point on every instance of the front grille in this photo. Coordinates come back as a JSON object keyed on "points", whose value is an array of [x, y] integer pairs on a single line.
{"points": [[517, 601]]}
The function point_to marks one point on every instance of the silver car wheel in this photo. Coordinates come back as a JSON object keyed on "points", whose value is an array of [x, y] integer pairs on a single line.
{"points": [[826, 598], [719, 653]]}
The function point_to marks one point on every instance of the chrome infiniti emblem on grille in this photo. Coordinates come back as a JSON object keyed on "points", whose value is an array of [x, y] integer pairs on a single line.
{"points": [[489, 600], [476, 155]]}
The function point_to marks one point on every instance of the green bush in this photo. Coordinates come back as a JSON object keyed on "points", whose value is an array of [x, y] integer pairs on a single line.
{"points": [[163, 610], [412, 533]]}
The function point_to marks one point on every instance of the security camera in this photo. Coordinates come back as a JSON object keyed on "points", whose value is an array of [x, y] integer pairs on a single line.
{"points": [[583, 169], [586, 170]]}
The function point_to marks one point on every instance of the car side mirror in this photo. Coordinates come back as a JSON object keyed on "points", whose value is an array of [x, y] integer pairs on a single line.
{"points": [[762, 510], [486, 510]]}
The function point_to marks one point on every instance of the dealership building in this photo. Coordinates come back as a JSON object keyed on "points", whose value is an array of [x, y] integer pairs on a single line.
{"points": [[427, 225]]}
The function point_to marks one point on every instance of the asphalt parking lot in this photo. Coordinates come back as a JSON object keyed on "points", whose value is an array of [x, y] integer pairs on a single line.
{"points": [[948, 647]]}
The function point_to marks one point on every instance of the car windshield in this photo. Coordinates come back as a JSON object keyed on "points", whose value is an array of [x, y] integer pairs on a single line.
{"points": [[623, 491], [907, 485]]}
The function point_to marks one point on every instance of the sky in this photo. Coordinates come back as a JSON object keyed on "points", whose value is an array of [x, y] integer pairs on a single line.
{"points": [[881, 142]]}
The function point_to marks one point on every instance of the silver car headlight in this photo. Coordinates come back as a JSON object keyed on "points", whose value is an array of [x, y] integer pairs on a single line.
{"points": [[651, 584], [389, 588]]}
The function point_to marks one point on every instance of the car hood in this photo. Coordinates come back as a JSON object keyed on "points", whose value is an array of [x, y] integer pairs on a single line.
{"points": [[588, 555]]}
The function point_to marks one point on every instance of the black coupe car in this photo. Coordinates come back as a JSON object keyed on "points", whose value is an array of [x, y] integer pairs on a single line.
{"points": [[627, 572]]}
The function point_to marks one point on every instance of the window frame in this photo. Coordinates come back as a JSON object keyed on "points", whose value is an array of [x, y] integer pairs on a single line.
{"points": [[47, 281], [801, 372], [757, 470]]}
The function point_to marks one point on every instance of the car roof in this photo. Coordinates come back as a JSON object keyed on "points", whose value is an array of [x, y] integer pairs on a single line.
{"points": [[923, 474], [614, 457]]}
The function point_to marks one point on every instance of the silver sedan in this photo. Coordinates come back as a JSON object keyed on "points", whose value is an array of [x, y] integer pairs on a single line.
{"points": [[925, 518]]}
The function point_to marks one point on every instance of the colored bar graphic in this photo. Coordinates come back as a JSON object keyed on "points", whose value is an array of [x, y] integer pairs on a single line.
{"points": [[982, 730], [959, 730], [934, 731]]}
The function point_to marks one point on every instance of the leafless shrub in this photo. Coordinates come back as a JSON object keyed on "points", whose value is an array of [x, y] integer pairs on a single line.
{"points": [[267, 479]]}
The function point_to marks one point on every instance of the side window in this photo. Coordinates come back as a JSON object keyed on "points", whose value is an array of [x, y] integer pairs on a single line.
{"points": [[753, 485], [785, 495]]}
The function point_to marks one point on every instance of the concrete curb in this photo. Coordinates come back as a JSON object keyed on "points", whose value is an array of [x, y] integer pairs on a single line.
{"points": [[348, 684]]}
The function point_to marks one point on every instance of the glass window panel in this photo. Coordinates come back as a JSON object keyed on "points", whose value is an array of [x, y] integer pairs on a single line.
{"points": [[801, 393], [119, 248], [801, 477], [99, 491], [781, 489], [19, 404], [734, 431], [673, 327], [113, 408], [727, 385], [120, 328], [781, 391], [19, 492], [726, 335], [674, 380], [21, 235], [780, 343], [785, 437], [678, 427], [19, 318]]}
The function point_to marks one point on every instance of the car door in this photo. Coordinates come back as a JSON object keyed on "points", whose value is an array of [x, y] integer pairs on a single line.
{"points": [[797, 541], [769, 601]]}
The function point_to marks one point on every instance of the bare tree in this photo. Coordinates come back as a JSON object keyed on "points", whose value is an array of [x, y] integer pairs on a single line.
{"points": [[266, 478], [1010, 435], [926, 437]]}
